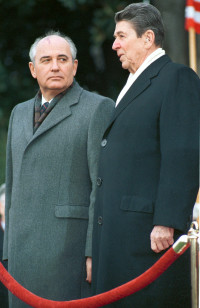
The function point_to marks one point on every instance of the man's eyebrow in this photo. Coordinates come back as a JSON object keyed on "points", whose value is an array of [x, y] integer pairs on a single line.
{"points": [[59, 56], [44, 57], [63, 56], [118, 32]]}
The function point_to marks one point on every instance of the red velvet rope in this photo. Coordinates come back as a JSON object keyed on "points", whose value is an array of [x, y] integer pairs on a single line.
{"points": [[98, 300]]}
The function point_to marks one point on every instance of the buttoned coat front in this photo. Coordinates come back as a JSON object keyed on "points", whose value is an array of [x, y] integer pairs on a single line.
{"points": [[51, 181], [148, 175]]}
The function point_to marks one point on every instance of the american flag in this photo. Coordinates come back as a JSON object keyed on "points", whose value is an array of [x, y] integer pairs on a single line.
{"points": [[192, 15]]}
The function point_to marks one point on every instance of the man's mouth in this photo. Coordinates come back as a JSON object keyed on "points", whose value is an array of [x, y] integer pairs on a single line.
{"points": [[55, 77], [120, 57]]}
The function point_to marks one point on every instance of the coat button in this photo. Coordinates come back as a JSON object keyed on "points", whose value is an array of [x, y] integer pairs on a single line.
{"points": [[100, 220], [99, 181], [103, 142]]}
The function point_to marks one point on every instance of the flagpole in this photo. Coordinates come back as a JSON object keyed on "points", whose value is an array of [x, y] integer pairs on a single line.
{"points": [[192, 49], [193, 65], [190, 11]]}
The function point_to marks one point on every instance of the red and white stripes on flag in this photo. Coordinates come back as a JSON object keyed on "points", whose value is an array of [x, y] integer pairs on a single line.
{"points": [[192, 15]]}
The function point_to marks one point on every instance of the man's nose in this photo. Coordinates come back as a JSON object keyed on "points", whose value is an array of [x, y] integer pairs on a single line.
{"points": [[116, 45], [55, 65]]}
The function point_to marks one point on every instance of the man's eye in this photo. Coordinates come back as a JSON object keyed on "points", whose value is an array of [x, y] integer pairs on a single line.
{"points": [[63, 59], [45, 60]]}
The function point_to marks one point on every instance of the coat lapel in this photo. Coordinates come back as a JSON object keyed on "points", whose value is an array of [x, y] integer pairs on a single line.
{"points": [[61, 110], [140, 85]]}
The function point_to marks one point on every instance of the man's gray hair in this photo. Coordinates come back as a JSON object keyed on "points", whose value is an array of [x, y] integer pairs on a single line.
{"points": [[143, 17], [33, 48]]}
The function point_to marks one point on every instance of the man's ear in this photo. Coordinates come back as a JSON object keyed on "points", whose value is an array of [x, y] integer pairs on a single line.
{"points": [[149, 38], [75, 67], [32, 69]]}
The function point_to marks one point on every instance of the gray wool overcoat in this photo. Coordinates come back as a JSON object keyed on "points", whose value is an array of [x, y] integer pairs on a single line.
{"points": [[51, 182]]}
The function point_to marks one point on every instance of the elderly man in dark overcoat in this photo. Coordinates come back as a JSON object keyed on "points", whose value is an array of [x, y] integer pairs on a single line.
{"points": [[52, 157], [148, 170]]}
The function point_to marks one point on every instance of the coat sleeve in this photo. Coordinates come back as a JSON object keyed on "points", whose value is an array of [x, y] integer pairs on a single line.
{"points": [[179, 146], [98, 125], [9, 179]]}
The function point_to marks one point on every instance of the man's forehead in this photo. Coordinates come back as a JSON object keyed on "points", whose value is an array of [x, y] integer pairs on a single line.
{"points": [[123, 26], [52, 40], [51, 44]]}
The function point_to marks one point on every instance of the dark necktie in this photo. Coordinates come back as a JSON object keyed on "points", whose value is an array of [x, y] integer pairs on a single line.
{"points": [[44, 107]]}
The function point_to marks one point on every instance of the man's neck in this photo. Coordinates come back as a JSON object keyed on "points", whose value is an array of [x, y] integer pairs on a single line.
{"points": [[50, 95]]}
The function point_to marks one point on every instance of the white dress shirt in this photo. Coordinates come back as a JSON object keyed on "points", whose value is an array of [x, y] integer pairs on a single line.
{"points": [[45, 101], [132, 77]]}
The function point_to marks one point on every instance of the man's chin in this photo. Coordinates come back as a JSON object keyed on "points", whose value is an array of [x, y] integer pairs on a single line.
{"points": [[124, 65], [56, 86]]}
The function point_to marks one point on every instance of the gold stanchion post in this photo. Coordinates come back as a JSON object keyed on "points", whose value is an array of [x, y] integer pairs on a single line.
{"points": [[193, 237], [192, 49]]}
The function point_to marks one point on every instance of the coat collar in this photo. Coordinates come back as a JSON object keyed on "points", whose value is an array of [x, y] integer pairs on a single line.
{"points": [[61, 111], [143, 81]]}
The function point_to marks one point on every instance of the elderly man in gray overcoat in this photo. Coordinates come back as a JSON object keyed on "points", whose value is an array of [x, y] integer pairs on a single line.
{"points": [[52, 157]]}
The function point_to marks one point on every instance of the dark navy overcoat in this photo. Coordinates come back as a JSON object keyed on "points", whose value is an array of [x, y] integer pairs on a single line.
{"points": [[148, 176]]}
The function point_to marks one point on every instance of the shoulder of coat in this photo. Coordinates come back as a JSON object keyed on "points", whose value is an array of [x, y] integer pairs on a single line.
{"points": [[25, 103], [95, 99]]}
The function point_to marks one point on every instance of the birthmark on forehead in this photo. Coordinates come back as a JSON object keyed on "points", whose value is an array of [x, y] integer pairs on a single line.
{"points": [[47, 39]]}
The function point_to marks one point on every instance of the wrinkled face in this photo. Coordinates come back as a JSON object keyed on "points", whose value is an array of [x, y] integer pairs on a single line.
{"points": [[53, 68], [131, 50]]}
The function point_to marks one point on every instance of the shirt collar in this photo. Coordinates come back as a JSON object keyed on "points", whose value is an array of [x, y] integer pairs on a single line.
{"points": [[44, 100]]}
